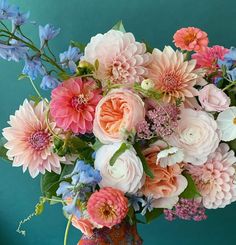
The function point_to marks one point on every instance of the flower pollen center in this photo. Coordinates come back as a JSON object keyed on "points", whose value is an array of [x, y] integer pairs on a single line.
{"points": [[170, 81], [107, 211], [39, 140], [234, 121], [78, 101]]}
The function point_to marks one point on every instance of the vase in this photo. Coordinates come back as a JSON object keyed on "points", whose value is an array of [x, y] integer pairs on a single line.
{"points": [[122, 234]]}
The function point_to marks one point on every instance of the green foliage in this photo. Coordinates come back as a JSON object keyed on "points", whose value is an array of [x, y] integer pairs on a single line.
{"points": [[97, 145], [155, 213], [131, 216], [22, 76], [146, 169], [148, 46], [191, 190], [119, 27], [67, 169], [63, 76], [40, 206], [3, 150], [120, 151], [35, 99], [151, 93], [79, 45]]}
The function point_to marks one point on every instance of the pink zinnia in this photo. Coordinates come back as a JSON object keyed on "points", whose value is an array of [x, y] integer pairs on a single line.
{"points": [[191, 38], [107, 207], [30, 142], [209, 56], [73, 104]]}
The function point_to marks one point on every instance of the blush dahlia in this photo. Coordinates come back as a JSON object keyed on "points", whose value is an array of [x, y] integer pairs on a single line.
{"points": [[73, 104]]}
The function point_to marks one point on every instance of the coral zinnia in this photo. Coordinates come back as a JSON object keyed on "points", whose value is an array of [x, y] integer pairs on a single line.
{"points": [[190, 39], [29, 141], [121, 58], [107, 207], [173, 76], [73, 104]]}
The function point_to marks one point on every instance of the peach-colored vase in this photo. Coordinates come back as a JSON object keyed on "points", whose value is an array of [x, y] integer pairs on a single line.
{"points": [[122, 234]]}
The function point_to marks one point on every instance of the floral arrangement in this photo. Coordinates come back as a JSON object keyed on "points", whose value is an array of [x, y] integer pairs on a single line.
{"points": [[130, 132]]}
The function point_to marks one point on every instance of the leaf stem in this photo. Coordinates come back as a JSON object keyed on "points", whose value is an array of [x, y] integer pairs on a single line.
{"points": [[67, 230], [230, 85], [36, 90]]}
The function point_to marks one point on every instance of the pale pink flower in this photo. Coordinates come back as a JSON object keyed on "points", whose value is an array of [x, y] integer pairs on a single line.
{"points": [[215, 179], [196, 134], [173, 76], [116, 113], [191, 38], [107, 207], [213, 98], [121, 59], [208, 57], [73, 104], [30, 143]]}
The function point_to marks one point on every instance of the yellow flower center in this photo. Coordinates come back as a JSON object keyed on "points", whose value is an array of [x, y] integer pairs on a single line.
{"points": [[234, 121]]}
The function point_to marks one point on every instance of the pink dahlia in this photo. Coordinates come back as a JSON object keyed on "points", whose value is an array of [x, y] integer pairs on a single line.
{"points": [[107, 207], [173, 76], [29, 141], [216, 178], [73, 104], [121, 58], [191, 38], [208, 57]]}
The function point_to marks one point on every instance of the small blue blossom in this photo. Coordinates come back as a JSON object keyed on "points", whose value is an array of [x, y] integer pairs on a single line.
{"points": [[135, 202], [147, 205], [33, 68], [47, 33], [49, 82], [232, 74], [231, 55], [73, 208], [20, 19], [226, 62], [69, 58], [65, 189], [7, 11]]}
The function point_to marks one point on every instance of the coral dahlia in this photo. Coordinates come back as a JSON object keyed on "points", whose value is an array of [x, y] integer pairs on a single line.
{"points": [[121, 58], [107, 207], [73, 104], [173, 76], [29, 140]]}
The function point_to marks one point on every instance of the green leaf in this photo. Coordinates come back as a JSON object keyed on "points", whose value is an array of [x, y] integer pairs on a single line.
{"points": [[22, 76], [191, 190], [232, 145], [97, 145], [120, 151], [67, 169], [148, 46], [155, 213], [55, 200], [96, 64], [146, 169], [35, 99], [49, 184], [79, 45], [119, 27], [3, 150], [131, 216], [63, 76]]}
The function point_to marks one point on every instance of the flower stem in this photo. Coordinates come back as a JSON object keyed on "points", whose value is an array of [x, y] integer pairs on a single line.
{"points": [[53, 200], [67, 230], [230, 85], [36, 90]]}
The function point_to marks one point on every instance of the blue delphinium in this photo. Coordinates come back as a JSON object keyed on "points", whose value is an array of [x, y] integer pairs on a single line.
{"points": [[232, 74], [69, 58], [49, 82], [47, 33], [7, 11], [229, 59], [33, 67], [147, 205], [231, 55], [20, 19]]}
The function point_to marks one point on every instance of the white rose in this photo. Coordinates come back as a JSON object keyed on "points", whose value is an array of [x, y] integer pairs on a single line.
{"points": [[127, 172]]}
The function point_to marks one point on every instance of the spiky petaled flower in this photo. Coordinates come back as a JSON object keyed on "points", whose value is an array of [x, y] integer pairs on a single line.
{"points": [[30, 142], [173, 76]]}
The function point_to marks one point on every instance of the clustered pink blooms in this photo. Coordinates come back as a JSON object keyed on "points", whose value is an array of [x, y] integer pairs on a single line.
{"points": [[164, 119], [186, 209], [143, 130]]}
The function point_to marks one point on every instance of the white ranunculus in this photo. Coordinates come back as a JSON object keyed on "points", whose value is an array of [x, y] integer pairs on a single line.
{"points": [[127, 172], [170, 156]]}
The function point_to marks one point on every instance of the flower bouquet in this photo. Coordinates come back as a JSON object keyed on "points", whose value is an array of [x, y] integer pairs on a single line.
{"points": [[129, 133]]}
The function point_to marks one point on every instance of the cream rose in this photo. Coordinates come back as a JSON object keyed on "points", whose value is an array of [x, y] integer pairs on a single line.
{"points": [[127, 172], [213, 98], [196, 135], [117, 112]]}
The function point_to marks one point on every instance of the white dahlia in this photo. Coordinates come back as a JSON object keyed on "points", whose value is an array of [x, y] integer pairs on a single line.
{"points": [[121, 58]]}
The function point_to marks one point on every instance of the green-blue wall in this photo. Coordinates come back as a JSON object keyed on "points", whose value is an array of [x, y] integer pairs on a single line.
{"points": [[152, 20]]}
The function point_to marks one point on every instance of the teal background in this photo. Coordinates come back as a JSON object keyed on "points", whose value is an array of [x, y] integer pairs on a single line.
{"points": [[152, 20]]}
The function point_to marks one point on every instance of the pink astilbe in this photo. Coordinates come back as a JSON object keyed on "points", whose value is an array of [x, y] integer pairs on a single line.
{"points": [[186, 209], [164, 119], [143, 130]]}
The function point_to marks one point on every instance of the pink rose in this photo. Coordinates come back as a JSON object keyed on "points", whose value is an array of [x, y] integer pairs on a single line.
{"points": [[117, 112], [84, 225], [213, 98]]}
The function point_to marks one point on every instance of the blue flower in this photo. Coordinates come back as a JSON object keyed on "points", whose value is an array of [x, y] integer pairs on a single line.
{"points": [[69, 58], [7, 11], [231, 55], [47, 33], [147, 205], [33, 68], [232, 74], [15, 51], [73, 208], [20, 19], [135, 202], [65, 189], [49, 82], [226, 62]]}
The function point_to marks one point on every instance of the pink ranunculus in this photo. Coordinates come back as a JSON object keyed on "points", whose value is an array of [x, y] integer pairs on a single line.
{"points": [[213, 98], [84, 225], [191, 38], [119, 111]]}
